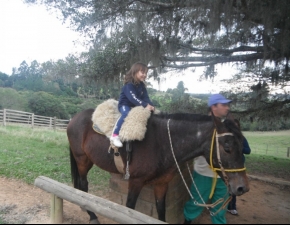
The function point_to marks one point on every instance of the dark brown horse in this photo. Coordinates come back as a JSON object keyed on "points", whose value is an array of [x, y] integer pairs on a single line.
{"points": [[152, 160]]}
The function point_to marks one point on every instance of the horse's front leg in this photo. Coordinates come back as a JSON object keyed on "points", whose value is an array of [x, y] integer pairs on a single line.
{"points": [[135, 187], [160, 191]]}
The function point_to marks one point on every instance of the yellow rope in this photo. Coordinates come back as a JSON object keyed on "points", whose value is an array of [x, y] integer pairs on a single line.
{"points": [[213, 185], [211, 165], [218, 169], [211, 148]]}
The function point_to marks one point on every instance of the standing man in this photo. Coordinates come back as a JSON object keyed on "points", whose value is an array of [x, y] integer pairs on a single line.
{"points": [[203, 175]]}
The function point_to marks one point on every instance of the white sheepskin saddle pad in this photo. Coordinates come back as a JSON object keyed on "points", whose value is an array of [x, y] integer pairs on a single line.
{"points": [[134, 127]]}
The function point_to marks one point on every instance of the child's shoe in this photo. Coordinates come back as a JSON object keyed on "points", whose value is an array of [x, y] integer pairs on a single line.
{"points": [[115, 140]]}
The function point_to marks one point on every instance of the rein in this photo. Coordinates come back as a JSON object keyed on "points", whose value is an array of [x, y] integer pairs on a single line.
{"points": [[214, 137]]}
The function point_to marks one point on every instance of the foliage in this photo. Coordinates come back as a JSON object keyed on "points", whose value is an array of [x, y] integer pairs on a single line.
{"points": [[265, 126], [3, 77], [42, 103], [255, 99], [176, 100], [11, 99], [165, 33]]}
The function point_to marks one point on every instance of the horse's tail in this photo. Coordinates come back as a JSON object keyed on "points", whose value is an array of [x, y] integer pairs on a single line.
{"points": [[74, 170]]}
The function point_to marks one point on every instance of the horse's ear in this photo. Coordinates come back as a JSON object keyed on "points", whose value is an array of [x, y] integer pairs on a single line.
{"points": [[230, 117]]}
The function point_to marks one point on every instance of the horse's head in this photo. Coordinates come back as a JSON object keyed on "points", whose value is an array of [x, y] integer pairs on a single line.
{"points": [[226, 156]]}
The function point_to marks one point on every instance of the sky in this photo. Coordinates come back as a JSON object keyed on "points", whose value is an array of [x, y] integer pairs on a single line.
{"points": [[192, 82], [30, 32]]}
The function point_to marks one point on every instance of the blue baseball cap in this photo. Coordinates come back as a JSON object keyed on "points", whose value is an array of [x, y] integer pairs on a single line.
{"points": [[217, 98]]}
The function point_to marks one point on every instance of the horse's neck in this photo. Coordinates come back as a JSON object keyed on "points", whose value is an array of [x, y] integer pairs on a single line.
{"points": [[188, 139]]}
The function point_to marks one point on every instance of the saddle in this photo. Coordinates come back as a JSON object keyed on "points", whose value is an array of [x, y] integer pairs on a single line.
{"points": [[134, 127]]}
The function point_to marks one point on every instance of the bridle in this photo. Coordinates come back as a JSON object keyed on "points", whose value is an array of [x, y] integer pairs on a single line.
{"points": [[215, 137]]}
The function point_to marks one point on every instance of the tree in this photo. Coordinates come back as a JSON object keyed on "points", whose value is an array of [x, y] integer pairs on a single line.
{"points": [[181, 34], [11, 99], [186, 33], [44, 104], [3, 78]]}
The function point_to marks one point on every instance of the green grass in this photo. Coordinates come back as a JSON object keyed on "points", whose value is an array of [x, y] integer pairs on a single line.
{"points": [[2, 221], [27, 153], [269, 143], [269, 153], [268, 166]]}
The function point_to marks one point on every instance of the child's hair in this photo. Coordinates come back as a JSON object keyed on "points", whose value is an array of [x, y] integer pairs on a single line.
{"points": [[131, 74]]}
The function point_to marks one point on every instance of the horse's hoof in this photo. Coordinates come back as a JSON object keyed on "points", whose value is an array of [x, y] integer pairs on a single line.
{"points": [[94, 221]]}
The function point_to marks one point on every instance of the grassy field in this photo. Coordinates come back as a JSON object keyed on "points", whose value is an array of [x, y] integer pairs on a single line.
{"points": [[274, 143], [27, 153], [269, 153]]}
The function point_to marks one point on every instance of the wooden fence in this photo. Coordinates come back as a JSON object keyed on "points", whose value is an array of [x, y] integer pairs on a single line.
{"points": [[8, 116], [101, 206]]}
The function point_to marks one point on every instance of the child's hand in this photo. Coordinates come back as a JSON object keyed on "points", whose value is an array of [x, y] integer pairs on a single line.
{"points": [[150, 107]]}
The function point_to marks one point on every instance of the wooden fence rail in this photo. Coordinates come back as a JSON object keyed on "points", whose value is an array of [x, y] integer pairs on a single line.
{"points": [[101, 206], [9, 116]]}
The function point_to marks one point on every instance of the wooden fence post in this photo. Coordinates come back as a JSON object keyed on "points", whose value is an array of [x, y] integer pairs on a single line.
{"points": [[54, 123], [32, 120], [56, 209], [288, 152], [4, 117]]}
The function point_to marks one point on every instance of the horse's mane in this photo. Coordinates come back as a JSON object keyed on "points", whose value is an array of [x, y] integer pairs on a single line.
{"points": [[232, 127], [183, 116], [192, 117]]}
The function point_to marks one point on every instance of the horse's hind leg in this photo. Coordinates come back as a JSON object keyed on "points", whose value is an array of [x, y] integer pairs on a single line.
{"points": [[79, 172]]}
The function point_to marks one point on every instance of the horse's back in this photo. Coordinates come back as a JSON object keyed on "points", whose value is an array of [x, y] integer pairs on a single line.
{"points": [[82, 117], [79, 124]]}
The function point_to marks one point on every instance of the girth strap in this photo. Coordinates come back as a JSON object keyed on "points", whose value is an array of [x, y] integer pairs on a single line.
{"points": [[119, 162]]}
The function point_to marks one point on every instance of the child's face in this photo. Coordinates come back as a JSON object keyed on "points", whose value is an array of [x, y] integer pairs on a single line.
{"points": [[141, 76]]}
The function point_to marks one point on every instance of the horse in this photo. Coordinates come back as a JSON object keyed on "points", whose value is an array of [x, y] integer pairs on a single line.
{"points": [[169, 139]]}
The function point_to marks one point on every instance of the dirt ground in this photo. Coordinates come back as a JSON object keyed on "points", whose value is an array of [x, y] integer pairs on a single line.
{"points": [[265, 203]]}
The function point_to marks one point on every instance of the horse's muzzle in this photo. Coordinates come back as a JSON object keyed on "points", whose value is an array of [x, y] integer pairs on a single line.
{"points": [[241, 190], [238, 184]]}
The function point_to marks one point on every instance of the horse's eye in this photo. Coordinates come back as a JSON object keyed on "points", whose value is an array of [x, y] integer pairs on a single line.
{"points": [[227, 147]]}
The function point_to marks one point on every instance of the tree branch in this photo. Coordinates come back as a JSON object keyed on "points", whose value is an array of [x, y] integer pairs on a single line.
{"points": [[205, 61]]}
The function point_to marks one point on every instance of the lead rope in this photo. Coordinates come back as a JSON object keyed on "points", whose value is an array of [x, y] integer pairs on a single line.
{"points": [[194, 201], [176, 160]]}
